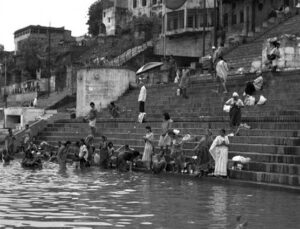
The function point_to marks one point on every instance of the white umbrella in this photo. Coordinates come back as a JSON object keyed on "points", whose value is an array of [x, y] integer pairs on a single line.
{"points": [[149, 66]]}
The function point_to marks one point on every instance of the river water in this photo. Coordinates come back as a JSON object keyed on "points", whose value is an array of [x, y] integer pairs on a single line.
{"points": [[50, 198]]}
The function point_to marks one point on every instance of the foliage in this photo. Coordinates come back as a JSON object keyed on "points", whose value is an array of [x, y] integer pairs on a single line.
{"points": [[95, 16], [31, 56]]}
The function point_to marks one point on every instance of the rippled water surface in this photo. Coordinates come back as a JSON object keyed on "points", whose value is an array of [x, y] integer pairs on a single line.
{"points": [[50, 198]]}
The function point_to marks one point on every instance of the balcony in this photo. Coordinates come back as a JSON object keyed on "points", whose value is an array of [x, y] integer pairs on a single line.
{"points": [[187, 30]]}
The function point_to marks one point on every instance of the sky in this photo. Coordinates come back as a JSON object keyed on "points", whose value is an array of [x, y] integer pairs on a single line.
{"points": [[16, 14]]}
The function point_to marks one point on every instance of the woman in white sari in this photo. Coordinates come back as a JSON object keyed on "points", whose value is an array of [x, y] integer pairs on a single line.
{"points": [[219, 152]]}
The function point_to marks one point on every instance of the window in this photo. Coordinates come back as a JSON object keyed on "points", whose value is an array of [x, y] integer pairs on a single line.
{"points": [[109, 20], [154, 2], [134, 3], [233, 19], [144, 2], [241, 16], [225, 20], [104, 14], [175, 20], [190, 22]]}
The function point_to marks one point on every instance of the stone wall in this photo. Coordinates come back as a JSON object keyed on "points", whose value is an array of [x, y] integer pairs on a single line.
{"points": [[190, 46], [101, 86], [18, 117], [25, 97]]}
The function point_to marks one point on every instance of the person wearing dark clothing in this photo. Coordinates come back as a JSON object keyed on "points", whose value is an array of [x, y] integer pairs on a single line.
{"points": [[113, 110], [204, 159], [235, 112], [10, 144], [104, 157], [126, 156], [184, 83]]}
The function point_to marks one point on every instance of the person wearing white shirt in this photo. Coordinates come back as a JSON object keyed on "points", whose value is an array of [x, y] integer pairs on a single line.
{"points": [[222, 72], [142, 98]]}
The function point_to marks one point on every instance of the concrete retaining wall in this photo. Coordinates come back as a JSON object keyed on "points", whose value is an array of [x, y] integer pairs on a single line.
{"points": [[101, 86]]}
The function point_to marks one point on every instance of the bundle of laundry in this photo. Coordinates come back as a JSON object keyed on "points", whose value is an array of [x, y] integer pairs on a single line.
{"points": [[239, 162]]}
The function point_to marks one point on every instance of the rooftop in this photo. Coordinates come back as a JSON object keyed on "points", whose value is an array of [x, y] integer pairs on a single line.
{"points": [[53, 29]]}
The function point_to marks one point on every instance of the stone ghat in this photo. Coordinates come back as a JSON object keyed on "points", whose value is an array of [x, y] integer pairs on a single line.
{"points": [[273, 142]]}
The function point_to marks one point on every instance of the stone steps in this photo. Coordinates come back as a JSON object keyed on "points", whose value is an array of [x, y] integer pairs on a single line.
{"points": [[242, 147], [192, 131], [265, 177], [295, 126], [237, 139], [272, 143]]}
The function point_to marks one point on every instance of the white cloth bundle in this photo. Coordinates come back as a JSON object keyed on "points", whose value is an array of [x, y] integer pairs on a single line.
{"points": [[226, 108], [243, 160], [262, 100], [249, 100], [186, 137]]}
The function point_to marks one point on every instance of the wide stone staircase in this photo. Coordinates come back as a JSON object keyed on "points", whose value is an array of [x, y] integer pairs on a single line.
{"points": [[272, 143], [245, 54]]}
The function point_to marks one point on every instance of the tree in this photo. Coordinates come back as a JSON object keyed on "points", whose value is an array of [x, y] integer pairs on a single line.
{"points": [[31, 52], [95, 16]]}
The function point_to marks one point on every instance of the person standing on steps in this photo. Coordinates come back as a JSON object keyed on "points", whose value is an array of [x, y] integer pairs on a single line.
{"points": [[219, 152], [148, 150], [92, 117], [142, 99], [222, 73], [274, 55], [213, 62], [235, 112], [203, 161], [164, 139], [184, 83]]}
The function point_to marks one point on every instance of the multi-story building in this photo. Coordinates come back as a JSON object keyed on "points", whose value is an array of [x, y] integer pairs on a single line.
{"points": [[186, 24], [145, 7], [115, 17], [41, 33], [184, 21]]}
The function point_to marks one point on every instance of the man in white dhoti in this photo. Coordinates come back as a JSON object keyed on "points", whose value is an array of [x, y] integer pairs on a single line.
{"points": [[219, 152]]}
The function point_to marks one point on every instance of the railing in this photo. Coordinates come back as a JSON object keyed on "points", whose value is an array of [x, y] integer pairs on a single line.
{"points": [[129, 54]]}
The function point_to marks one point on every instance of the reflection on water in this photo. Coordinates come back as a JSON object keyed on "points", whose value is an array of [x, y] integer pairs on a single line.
{"points": [[50, 198]]}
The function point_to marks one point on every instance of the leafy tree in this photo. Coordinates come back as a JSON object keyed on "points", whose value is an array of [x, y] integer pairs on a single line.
{"points": [[95, 16], [31, 56]]}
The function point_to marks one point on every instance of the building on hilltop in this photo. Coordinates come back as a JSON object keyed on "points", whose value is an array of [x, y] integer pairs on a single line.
{"points": [[145, 7], [58, 36], [115, 17]]}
